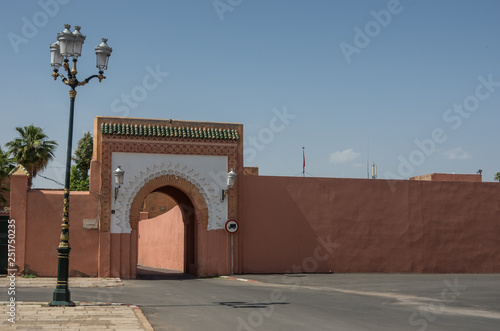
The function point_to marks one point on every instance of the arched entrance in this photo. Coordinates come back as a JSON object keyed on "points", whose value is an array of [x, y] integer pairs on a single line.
{"points": [[186, 160], [194, 214], [168, 240]]}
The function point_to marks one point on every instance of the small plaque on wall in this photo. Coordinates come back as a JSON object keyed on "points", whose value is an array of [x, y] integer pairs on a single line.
{"points": [[90, 224]]}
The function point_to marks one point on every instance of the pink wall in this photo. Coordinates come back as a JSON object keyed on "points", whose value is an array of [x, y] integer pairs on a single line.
{"points": [[212, 249], [161, 241], [44, 229], [287, 225], [18, 197], [38, 218], [359, 225], [450, 177]]}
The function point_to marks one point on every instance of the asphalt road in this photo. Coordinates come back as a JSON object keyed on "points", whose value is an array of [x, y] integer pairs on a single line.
{"points": [[305, 302]]}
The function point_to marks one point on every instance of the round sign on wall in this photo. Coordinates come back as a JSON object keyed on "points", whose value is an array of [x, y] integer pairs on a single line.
{"points": [[232, 226]]}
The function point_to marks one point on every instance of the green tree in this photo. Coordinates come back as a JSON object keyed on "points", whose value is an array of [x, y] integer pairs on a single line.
{"points": [[497, 176], [79, 180], [5, 164], [32, 149], [83, 153], [5, 168]]}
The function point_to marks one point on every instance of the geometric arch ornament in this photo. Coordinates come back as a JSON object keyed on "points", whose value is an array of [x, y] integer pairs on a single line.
{"points": [[190, 189], [187, 173]]}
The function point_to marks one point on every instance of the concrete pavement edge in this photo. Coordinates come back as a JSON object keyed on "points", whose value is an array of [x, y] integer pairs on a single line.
{"points": [[142, 319]]}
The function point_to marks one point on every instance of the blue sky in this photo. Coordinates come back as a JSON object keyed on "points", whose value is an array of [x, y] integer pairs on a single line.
{"points": [[413, 86]]}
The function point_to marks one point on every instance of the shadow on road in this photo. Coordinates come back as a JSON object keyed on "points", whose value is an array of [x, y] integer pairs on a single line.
{"points": [[150, 273], [242, 304]]}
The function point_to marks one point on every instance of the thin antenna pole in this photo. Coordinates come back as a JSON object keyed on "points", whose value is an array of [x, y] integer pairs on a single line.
{"points": [[368, 162]]}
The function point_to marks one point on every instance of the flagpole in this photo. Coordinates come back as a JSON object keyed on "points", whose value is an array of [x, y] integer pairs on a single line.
{"points": [[303, 162]]}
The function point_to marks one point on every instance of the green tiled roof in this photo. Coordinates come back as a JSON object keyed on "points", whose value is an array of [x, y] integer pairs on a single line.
{"points": [[135, 130]]}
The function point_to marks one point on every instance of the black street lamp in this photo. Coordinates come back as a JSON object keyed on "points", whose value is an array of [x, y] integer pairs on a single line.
{"points": [[69, 44]]}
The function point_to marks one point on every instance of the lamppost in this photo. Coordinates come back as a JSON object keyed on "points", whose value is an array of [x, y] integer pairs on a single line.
{"points": [[69, 45]]}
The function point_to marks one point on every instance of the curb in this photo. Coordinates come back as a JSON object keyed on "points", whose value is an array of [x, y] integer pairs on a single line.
{"points": [[142, 319], [77, 282], [137, 310]]}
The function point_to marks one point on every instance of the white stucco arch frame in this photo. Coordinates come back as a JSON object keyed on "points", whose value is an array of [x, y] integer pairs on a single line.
{"points": [[206, 172]]}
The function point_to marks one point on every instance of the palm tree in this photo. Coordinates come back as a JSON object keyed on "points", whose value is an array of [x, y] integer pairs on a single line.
{"points": [[497, 176], [5, 164], [32, 149], [5, 168]]}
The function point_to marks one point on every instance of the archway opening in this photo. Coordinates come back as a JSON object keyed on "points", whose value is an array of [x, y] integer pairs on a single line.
{"points": [[166, 235]]}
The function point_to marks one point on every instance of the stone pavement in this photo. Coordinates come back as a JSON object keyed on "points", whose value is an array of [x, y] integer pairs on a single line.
{"points": [[52, 281], [84, 316]]}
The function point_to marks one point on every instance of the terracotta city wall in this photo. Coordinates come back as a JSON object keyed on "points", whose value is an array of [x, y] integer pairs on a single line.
{"points": [[361, 225], [38, 216], [291, 224]]}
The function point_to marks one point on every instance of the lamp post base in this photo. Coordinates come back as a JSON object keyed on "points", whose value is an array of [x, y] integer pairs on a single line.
{"points": [[62, 297], [62, 303]]}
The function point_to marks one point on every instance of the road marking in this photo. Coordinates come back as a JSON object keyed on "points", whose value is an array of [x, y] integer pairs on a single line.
{"points": [[423, 303]]}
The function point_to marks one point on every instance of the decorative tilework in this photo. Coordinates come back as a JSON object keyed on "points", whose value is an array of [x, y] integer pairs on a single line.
{"points": [[169, 132]]}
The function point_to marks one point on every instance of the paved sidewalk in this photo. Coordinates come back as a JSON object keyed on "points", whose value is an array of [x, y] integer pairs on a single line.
{"points": [[20, 315], [52, 281], [85, 316]]}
